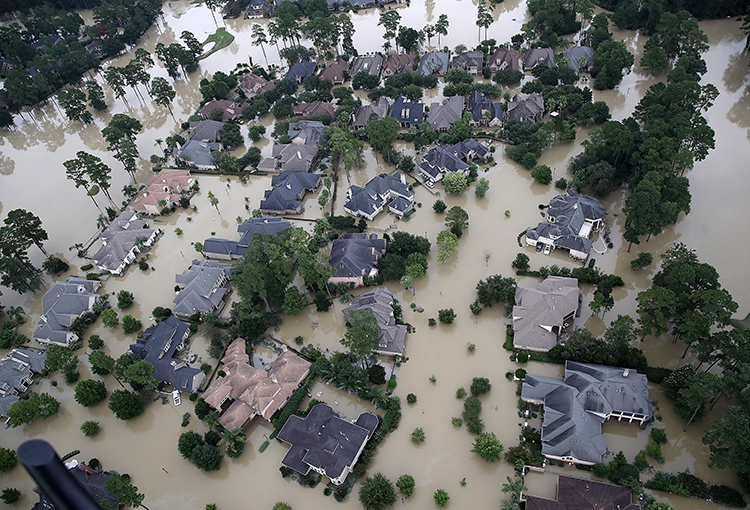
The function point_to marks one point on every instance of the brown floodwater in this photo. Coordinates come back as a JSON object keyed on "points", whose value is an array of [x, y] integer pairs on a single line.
{"points": [[32, 176]]}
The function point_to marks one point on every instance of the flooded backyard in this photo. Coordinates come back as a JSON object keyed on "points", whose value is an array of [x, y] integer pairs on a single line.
{"points": [[32, 177]]}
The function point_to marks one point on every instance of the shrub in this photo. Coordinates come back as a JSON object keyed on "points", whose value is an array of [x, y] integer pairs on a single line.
{"points": [[405, 485], [522, 357], [125, 299], [417, 435], [457, 422], [441, 498], [520, 373], [95, 342], [7, 459], [439, 206], [90, 428], [460, 393], [640, 460], [411, 398], [659, 435], [446, 315], [728, 496], [561, 183], [130, 324], [431, 322], [10, 495], [55, 265]]}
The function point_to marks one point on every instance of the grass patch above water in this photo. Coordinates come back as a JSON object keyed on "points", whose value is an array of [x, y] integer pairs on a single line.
{"points": [[221, 39]]}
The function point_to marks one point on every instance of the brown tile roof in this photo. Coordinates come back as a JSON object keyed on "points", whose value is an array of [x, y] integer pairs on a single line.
{"points": [[254, 391], [306, 109], [398, 63]]}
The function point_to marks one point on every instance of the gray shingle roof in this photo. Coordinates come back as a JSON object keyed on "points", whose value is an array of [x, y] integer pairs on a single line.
{"points": [[324, 441], [378, 302], [301, 70], [356, 255], [248, 228], [534, 56], [362, 114], [584, 494], [112, 255], [159, 345], [575, 53], [370, 64], [525, 107], [61, 305], [575, 408], [290, 157], [206, 130], [442, 115], [307, 132], [203, 287], [467, 60], [434, 62], [199, 153], [288, 190], [378, 190], [538, 311], [483, 109]]}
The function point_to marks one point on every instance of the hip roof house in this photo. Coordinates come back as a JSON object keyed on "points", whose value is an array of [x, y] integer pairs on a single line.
{"points": [[306, 132], [326, 443], [160, 345], [336, 72], [355, 256], [370, 64], [230, 109], [579, 57], [525, 108], [245, 391], [288, 191], [576, 406], [536, 56], [202, 288], [289, 157], [450, 158], [225, 249], [398, 63], [168, 185], [442, 115], [541, 315], [125, 236], [471, 61], [433, 62], [379, 302], [306, 110], [571, 218], [407, 112], [484, 111], [63, 303], [369, 201], [17, 369], [504, 58], [361, 115]]}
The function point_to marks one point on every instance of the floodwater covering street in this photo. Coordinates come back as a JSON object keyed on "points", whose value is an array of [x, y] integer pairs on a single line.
{"points": [[32, 177]]}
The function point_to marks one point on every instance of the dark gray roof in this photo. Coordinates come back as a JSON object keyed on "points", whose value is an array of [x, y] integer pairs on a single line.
{"points": [[575, 53], [324, 441], [451, 158], [292, 157], [483, 108], [61, 305], [378, 190], [112, 255], [356, 255], [301, 70], [378, 302], [251, 226], [575, 408], [33, 359], [537, 312], [407, 111], [94, 483], [199, 153], [5, 402], [570, 211], [370, 64], [584, 494], [288, 190], [434, 62], [159, 345], [308, 132], [125, 222]]}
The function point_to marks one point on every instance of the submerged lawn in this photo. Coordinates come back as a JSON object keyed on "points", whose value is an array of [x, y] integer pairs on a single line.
{"points": [[221, 39]]}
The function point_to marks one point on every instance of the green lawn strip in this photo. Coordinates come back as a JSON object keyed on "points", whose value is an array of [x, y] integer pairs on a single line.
{"points": [[221, 39]]}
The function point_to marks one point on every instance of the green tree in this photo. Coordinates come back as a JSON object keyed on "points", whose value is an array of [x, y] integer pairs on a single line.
{"points": [[447, 243], [480, 190], [542, 174], [643, 260], [294, 301], [90, 428], [27, 229], [455, 183], [130, 324], [480, 386], [125, 299], [521, 262], [610, 59], [38, 405], [390, 21], [57, 356], [439, 206], [377, 492], [235, 441], [187, 442], [206, 457], [95, 95], [656, 306], [7, 459], [281, 506], [729, 441], [405, 485], [125, 405], [163, 93], [101, 363], [259, 39], [122, 487], [230, 135], [10, 495], [362, 336], [441, 497], [457, 219], [88, 392], [487, 446], [73, 102], [140, 374]]}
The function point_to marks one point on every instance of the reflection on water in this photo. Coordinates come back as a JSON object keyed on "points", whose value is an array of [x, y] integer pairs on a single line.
{"points": [[31, 166]]}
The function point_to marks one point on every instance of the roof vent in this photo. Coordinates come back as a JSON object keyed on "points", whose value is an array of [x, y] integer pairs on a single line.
{"points": [[626, 372]]}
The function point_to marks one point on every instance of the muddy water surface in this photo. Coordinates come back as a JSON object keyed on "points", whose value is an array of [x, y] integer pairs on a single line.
{"points": [[32, 177]]}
